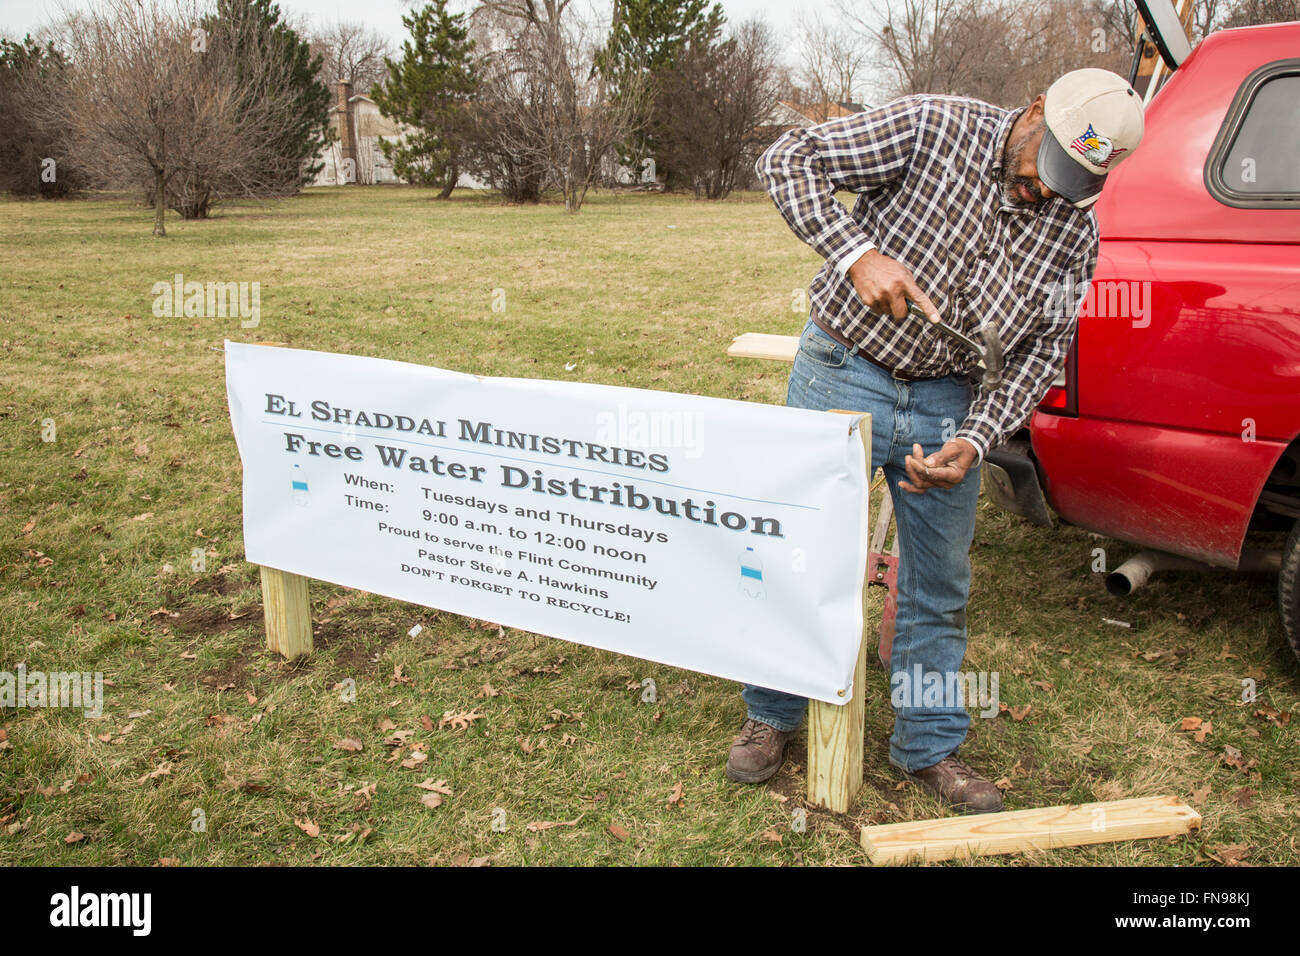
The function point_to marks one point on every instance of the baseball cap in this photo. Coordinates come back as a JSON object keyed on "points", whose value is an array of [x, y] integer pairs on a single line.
{"points": [[1094, 119]]}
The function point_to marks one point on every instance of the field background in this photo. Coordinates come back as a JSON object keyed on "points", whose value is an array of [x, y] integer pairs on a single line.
{"points": [[200, 722]]}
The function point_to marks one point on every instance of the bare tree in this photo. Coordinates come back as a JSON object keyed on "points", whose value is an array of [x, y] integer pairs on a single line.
{"points": [[830, 61], [1054, 37], [351, 51], [153, 100], [1119, 18], [999, 51], [142, 98], [1251, 12], [920, 43], [549, 108], [722, 95]]}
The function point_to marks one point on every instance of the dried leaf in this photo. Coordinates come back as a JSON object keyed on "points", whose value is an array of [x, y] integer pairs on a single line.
{"points": [[618, 833], [437, 786], [307, 827], [459, 720], [350, 744], [1233, 854], [1244, 798], [675, 798], [74, 837], [1233, 758], [1019, 713], [1190, 723]]}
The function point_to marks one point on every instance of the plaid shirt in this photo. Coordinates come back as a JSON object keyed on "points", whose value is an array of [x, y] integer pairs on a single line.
{"points": [[928, 173]]}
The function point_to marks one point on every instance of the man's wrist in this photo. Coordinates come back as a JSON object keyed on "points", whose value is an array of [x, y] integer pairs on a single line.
{"points": [[974, 442], [846, 261]]}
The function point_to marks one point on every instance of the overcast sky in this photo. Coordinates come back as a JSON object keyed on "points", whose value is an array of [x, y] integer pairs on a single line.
{"points": [[385, 16], [20, 16]]}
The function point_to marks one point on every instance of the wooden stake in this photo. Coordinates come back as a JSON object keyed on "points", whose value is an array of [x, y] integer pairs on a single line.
{"points": [[287, 609], [835, 732], [1016, 830]]}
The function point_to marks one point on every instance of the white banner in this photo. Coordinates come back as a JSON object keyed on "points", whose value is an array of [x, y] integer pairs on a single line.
{"points": [[719, 536]]}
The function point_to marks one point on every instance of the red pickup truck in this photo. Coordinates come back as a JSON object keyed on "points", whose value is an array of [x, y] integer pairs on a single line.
{"points": [[1174, 426]]}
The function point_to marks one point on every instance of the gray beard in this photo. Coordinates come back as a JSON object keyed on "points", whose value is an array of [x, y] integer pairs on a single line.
{"points": [[1010, 163]]}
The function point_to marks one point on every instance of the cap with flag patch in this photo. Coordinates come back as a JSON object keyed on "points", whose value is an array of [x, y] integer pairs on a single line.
{"points": [[1094, 122]]}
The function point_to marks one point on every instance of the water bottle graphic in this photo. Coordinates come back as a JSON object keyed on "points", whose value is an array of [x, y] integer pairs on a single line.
{"points": [[751, 574], [300, 494]]}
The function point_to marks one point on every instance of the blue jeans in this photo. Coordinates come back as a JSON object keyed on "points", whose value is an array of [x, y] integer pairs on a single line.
{"points": [[934, 529]]}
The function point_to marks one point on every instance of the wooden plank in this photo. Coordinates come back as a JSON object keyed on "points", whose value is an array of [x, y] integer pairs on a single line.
{"points": [[760, 345], [835, 732], [287, 609], [1016, 830]]}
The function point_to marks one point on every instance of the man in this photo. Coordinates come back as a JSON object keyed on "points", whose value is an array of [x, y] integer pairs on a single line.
{"points": [[978, 214]]}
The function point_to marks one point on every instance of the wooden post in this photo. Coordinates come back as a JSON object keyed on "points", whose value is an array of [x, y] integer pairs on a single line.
{"points": [[1043, 828], [835, 731], [287, 610]]}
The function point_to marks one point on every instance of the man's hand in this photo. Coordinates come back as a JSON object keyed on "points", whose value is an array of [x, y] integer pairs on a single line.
{"points": [[885, 285], [944, 469]]}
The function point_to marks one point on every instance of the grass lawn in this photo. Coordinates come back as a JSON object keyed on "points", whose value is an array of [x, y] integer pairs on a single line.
{"points": [[212, 751]]}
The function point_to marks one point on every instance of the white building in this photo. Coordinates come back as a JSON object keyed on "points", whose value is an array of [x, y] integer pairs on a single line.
{"points": [[355, 155]]}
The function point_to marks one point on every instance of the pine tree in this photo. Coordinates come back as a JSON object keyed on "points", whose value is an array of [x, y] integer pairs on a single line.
{"points": [[650, 37], [256, 35], [428, 89], [280, 105]]}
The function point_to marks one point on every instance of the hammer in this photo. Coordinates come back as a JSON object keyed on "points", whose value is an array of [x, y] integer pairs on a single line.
{"points": [[988, 350]]}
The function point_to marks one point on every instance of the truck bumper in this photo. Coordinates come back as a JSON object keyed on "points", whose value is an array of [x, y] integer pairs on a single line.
{"points": [[1011, 481]]}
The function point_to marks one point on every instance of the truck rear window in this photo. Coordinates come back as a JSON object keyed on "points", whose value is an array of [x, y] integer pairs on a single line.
{"points": [[1254, 160]]}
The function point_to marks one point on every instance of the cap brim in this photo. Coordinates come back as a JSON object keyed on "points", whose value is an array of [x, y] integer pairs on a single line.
{"points": [[1062, 175]]}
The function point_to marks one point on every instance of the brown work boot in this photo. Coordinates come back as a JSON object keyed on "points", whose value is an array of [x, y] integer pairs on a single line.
{"points": [[757, 753], [956, 783]]}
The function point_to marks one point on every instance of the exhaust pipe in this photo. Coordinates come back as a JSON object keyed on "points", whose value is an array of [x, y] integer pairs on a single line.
{"points": [[1137, 570]]}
